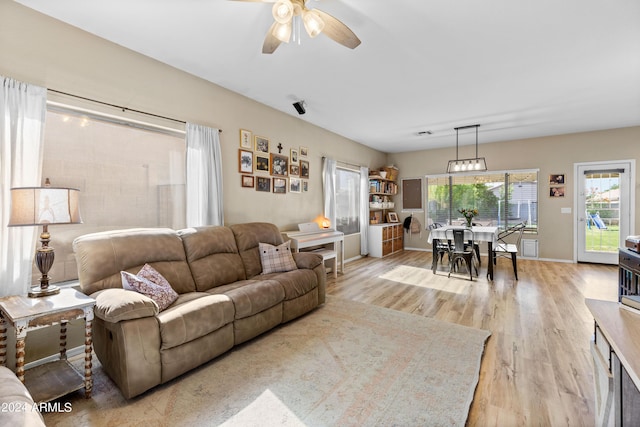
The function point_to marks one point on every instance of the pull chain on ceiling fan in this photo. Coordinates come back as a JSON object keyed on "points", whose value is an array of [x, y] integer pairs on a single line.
{"points": [[315, 22]]}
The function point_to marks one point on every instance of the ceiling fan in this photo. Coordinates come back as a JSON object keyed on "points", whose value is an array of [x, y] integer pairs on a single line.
{"points": [[315, 22]]}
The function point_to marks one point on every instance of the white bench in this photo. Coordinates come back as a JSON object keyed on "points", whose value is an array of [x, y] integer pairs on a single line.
{"points": [[331, 256]]}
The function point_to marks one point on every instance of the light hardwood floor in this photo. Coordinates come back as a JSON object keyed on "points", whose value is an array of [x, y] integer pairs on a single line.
{"points": [[536, 369]]}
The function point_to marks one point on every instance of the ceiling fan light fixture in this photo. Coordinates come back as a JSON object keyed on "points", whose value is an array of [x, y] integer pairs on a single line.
{"points": [[282, 31], [282, 11], [313, 23]]}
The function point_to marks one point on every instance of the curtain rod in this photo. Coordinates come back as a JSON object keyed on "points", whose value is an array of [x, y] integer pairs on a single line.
{"points": [[120, 107], [347, 163]]}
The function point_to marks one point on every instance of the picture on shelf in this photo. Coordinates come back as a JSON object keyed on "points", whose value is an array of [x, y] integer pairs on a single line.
{"points": [[245, 139], [245, 161], [392, 217], [263, 184]]}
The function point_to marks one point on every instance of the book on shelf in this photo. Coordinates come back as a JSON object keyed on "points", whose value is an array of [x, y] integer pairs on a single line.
{"points": [[631, 303]]}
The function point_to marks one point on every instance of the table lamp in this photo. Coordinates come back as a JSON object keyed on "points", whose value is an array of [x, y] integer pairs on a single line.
{"points": [[33, 206], [322, 221]]}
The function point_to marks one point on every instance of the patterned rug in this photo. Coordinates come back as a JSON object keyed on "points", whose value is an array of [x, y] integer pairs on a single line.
{"points": [[344, 364]]}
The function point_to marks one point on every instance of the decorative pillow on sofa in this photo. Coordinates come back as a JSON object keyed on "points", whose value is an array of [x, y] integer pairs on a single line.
{"points": [[276, 259], [150, 283]]}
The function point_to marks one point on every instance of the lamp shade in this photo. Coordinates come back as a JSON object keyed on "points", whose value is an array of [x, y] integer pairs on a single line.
{"points": [[44, 205]]}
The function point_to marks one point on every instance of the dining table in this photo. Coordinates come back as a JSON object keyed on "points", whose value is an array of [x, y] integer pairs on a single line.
{"points": [[487, 234]]}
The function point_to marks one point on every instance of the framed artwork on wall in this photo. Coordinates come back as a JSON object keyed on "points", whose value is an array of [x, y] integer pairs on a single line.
{"points": [[245, 161], [556, 179], [294, 156], [557, 191], [279, 165], [279, 185], [305, 186], [294, 170], [263, 183], [304, 169], [247, 181], [262, 163], [304, 151], [295, 185], [262, 144], [246, 139]]}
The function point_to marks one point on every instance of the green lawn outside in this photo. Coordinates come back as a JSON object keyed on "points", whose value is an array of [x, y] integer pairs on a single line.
{"points": [[603, 240]]}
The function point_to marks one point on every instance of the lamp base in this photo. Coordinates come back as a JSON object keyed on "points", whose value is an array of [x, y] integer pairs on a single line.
{"points": [[38, 291]]}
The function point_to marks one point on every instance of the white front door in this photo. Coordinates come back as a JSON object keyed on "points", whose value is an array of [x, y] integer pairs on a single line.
{"points": [[603, 209]]}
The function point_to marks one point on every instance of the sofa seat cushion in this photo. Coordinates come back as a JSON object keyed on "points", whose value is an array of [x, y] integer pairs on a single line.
{"points": [[193, 318], [252, 296], [116, 305], [295, 283]]}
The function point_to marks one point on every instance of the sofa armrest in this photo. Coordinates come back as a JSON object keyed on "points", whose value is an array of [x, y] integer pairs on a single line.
{"points": [[307, 260], [17, 406], [116, 305]]}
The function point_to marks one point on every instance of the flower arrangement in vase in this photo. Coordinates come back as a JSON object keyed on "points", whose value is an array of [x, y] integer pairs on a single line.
{"points": [[468, 215]]}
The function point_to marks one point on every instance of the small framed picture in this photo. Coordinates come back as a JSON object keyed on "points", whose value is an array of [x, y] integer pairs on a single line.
{"points": [[304, 151], [556, 191], [247, 181], [262, 144], [392, 217], [294, 170], [294, 156], [280, 185], [263, 183], [304, 169], [262, 163], [556, 179], [295, 185], [305, 186], [245, 161], [279, 165], [246, 139]]}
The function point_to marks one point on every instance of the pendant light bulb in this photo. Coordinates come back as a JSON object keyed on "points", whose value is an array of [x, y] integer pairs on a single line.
{"points": [[282, 11], [313, 23], [282, 32]]}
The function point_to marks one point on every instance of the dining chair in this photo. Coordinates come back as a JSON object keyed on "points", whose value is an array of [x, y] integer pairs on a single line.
{"points": [[442, 247], [461, 249], [506, 249]]}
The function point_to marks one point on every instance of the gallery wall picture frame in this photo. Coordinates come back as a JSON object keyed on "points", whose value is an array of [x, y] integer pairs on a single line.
{"points": [[245, 161], [263, 183], [247, 181], [246, 139], [280, 185], [295, 185], [262, 163], [557, 179], [556, 191], [295, 155], [305, 186], [304, 151], [261, 144], [304, 169], [294, 170], [392, 217], [279, 164]]}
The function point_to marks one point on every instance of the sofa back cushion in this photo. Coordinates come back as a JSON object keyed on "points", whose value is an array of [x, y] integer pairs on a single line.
{"points": [[213, 256], [102, 256], [248, 236]]}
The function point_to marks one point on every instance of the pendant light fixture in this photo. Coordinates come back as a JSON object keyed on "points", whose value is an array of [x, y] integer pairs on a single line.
{"points": [[467, 165]]}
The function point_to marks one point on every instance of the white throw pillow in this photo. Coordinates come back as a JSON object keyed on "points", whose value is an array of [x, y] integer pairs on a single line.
{"points": [[276, 259], [150, 283]]}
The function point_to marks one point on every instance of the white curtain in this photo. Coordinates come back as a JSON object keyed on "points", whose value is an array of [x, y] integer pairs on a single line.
{"points": [[204, 177], [329, 189], [364, 210], [22, 113]]}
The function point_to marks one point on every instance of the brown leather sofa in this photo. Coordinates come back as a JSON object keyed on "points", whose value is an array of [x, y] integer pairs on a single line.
{"points": [[223, 300]]}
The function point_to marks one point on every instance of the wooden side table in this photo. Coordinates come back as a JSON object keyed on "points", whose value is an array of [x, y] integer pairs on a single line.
{"points": [[54, 379]]}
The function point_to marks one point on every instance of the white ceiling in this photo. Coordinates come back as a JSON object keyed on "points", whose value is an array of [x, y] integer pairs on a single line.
{"points": [[518, 68]]}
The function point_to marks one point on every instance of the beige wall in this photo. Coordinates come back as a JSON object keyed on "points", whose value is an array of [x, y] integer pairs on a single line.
{"points": [[552, 155], [40, 50]]}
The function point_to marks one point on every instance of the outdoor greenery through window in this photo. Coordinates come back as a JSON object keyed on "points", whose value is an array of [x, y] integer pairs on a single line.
{"points": [[503, 199], [347, 200]]}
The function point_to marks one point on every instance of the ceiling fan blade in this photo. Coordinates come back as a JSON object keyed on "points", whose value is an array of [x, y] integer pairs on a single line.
{"points": [[337, 31], [271, 42]]}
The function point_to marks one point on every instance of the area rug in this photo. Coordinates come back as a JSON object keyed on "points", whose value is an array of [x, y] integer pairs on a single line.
{"points": [[344, 364]]}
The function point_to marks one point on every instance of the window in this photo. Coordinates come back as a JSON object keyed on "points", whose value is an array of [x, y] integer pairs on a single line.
{"points": [[347, 200], [502, 199], [128, 177]]}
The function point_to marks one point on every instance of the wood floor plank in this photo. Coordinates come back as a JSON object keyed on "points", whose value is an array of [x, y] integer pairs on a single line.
{"points": [[536, 369]]}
